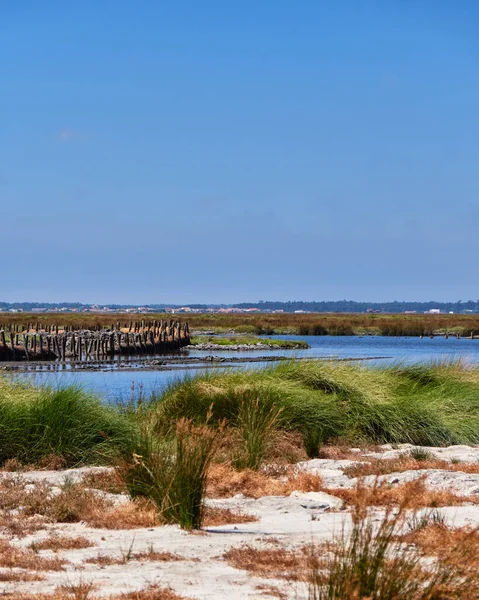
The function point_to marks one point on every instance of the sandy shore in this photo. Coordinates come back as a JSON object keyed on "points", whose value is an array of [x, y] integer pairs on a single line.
{"points": [[199, 569]]}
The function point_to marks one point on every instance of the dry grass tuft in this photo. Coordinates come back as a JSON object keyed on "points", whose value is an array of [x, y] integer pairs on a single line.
{"points": [[25, 558], [436, 539], [275, 563], [272, 590], [214, 516], [107, 481], [133, 514], [224, 482], [384, 466], [84, 591], [151, 593], [51, 462], [13, 465], [413, 494], [104, 560], [155, 555], [60, 542], [19, 576], [79, 591]]}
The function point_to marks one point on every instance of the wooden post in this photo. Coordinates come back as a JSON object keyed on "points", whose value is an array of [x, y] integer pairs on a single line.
{"points": [[25, 345]]}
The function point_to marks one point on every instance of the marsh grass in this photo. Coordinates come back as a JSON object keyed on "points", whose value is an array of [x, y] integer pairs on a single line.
{"points": [[371, 563], [172, 473], [430, 405], [269, 324], [318, 402], [256, 423], [37, 423]]}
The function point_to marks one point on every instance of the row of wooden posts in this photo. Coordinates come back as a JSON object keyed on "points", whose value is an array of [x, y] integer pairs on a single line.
{"points": [[61, 344], [131, 327]]}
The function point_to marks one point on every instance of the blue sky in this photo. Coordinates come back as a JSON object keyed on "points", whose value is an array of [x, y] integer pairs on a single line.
{"points": [[235, 150]]}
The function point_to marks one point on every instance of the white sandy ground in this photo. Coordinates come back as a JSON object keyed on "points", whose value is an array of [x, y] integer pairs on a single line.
{"points": [[301, 518]]}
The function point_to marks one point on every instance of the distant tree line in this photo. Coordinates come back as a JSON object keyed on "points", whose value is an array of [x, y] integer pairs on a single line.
{"points": [[337, 306], [349, 306]]}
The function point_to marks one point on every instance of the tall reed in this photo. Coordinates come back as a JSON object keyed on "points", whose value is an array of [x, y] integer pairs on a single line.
{"points": [[371, 563], [256, 423], [172, 473]]}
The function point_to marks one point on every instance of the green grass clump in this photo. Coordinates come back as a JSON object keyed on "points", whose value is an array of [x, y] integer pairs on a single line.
{"points": [[256, 423], [370, 563], [421, 454], [433, 405], [171, 472], [69, 423]]}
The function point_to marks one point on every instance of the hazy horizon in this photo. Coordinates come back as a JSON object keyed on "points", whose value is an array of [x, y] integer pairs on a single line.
{"points": [[135, 304]]}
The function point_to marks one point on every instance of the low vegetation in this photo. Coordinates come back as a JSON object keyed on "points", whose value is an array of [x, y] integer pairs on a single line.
{"points": [[87, 591], [218, 430], [270, 323], [246, 340], [378, 559], [422, 405], [37, 423], [173, 474], [372, 563]]}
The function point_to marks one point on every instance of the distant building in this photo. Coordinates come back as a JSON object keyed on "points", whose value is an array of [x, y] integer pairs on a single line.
{"points": [[433, 311]]}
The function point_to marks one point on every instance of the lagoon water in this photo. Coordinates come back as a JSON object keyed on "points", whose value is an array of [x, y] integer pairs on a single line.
{"points": [[117, 384]]}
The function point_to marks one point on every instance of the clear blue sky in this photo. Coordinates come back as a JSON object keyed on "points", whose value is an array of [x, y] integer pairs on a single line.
{"points": [[233, 150]]}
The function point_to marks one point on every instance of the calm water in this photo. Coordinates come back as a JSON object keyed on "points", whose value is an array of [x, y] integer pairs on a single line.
{"points": [[117, 384]]}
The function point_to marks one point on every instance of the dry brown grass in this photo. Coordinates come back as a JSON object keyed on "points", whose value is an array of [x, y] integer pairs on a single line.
{"points": [[384, 466], [285, 448], [274, 563], [19, 576], [214, 516], [272, 590], [78, 591], [152, 593], [413, 494], [341, 449], [25, 558], [131, 515], [107, 481], [224, 482], [24, 509], [149, 555], [312, 323], [52, 462], [75, 504], [60, 542], [436, 539], [85, 591]]}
